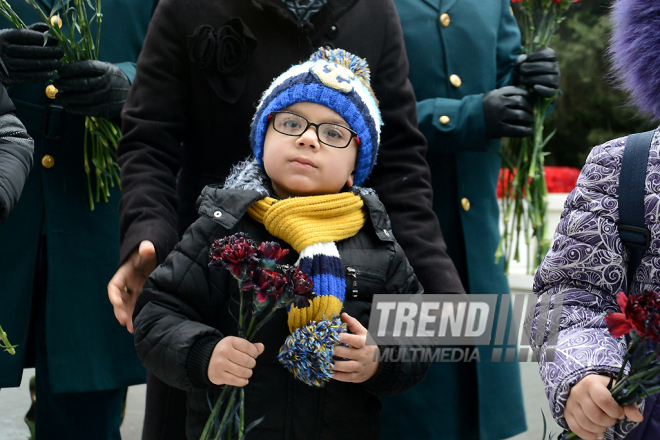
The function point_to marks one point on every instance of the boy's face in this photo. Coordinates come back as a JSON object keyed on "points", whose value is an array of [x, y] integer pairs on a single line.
{"points": [[303, 166]]}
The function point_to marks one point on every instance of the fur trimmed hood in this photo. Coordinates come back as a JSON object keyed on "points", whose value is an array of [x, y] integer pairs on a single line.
{"points": [[635, 51], [251, 176]]}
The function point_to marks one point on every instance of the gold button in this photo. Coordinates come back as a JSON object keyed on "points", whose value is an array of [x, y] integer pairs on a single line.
{"points": [[48, 161], [51, 91], [444, 20], [56, 19], [444, 120], [455, 81], [465, 203]]}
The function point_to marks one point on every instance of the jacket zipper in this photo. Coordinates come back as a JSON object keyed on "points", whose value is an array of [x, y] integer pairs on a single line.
{"points": [[352, 272]]}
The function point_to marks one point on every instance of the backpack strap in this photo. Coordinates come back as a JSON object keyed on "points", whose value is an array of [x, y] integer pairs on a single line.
{"points": [[632, 229]]}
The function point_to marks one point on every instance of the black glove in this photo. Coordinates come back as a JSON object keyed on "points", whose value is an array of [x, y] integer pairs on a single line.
{"points": [[23, 57], [92, 88], [508, 113], [539, 71]]}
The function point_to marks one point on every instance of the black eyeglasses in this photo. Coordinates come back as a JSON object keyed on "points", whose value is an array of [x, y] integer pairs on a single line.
{"points": [[328, 133]]}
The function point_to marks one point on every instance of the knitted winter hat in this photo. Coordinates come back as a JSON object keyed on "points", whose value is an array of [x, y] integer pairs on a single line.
{"points": [[338, 80], [635, 50]]}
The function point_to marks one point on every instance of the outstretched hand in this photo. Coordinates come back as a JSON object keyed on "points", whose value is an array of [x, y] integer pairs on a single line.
{"points": [[362, 360], [124, 287]]}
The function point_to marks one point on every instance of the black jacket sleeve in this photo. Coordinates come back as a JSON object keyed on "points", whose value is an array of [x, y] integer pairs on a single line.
{"points": [[172, 317], [396, 377], [16, 149], [158, 112], [402, 176]]}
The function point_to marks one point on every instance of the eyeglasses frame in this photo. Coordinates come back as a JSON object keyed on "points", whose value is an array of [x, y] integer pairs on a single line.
{"points": [[354, 134]]}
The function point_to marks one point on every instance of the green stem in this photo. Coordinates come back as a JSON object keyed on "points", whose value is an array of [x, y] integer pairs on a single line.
{"points": [[5, 342], [206, 433]]}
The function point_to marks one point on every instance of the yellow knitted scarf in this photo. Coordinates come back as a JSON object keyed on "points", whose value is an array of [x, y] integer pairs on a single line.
{"points": [[303, 221], [311, 225]]}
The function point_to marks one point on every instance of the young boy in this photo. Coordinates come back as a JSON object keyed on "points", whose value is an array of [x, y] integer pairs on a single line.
{"points": [[315, 136]]}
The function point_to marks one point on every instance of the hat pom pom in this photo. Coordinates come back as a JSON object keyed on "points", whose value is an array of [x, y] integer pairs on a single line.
{"points": [[354, 63], [308, 352]]}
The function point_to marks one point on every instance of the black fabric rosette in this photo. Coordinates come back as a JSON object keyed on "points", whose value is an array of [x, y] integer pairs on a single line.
{"points": [[222, 54]]}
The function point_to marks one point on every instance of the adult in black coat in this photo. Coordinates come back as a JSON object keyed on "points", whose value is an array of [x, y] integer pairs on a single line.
{"points": [[203, 67], [16, 148]]}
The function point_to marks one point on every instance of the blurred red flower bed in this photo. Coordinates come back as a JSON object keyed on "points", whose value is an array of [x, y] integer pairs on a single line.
{"points": [[559, 179]]}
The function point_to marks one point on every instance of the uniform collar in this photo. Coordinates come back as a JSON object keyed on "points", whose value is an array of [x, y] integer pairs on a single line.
{"points": [[441, 6]]}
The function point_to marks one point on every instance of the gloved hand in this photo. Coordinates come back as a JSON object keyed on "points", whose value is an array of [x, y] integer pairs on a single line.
{"points": [[92, 88], [539, 71], [508, 112], [23, 57]]}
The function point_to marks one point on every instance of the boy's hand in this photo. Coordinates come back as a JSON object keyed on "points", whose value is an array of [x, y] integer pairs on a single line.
{"points": [[126, 285], [232, 361], [360, 365], [591, 409]]}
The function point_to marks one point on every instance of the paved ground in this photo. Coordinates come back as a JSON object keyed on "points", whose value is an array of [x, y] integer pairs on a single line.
{"points": [[14, 402]]}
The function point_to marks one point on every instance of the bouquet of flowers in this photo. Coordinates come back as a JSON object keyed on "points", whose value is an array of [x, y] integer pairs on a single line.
{"points": [[640, 319], [265, 287], [524, 196], [101, 135]]}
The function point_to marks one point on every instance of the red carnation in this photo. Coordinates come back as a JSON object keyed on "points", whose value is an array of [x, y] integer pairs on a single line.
{"points": [[269, 283], [302, 286], [236, 252], [639, 312], [272, 250]]}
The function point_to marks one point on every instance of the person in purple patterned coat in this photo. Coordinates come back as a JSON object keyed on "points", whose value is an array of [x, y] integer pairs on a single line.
{"points": [[588, 262]]}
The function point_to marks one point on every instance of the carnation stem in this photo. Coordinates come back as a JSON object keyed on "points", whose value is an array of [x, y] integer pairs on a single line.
{"points": [[5, 342], [206, 433]]}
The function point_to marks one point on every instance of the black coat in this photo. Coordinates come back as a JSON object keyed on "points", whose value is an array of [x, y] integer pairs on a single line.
{"points": [[184, 114], [183, 312], [16, 149]]}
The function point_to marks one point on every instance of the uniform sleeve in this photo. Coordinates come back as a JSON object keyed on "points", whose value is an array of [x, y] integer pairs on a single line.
{"points": [[150, 151], [129, 70], [396, 377], [173, 335], [16, 149], [579, 278], [466, 130], [402, 176]]}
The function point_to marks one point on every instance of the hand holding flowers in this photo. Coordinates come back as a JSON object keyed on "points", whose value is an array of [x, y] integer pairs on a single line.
{"points": [[589, 411], [101, 87], [265, 287], [232, 361]]}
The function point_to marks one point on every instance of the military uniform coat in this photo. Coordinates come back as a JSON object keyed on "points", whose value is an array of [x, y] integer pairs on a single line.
{"points": [[87, 349], [458, 50]]}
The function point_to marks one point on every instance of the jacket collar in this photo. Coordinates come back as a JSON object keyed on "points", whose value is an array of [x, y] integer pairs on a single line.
{"points": [[330, 13], [227, 206], [441, 6]]}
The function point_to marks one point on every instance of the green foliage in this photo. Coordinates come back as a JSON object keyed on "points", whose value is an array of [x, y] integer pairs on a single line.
{"points": [[591, 109]]}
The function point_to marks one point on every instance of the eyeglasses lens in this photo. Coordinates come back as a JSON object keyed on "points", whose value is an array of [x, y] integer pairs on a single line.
{"points": [[327, 132]]}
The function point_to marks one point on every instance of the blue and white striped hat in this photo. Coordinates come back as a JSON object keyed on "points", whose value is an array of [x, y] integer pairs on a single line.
{"points": [[338, 80]]}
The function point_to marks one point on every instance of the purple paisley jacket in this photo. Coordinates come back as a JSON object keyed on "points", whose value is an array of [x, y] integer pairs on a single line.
{"points": [[588, 265]]}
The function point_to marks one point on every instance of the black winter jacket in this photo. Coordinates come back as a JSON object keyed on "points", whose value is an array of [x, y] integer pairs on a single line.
{"points": [[183, 312], [185, 113], [16, 149]]}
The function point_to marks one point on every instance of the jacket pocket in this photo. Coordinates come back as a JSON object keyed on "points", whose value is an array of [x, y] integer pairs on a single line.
{"points": [[362, 283]]}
